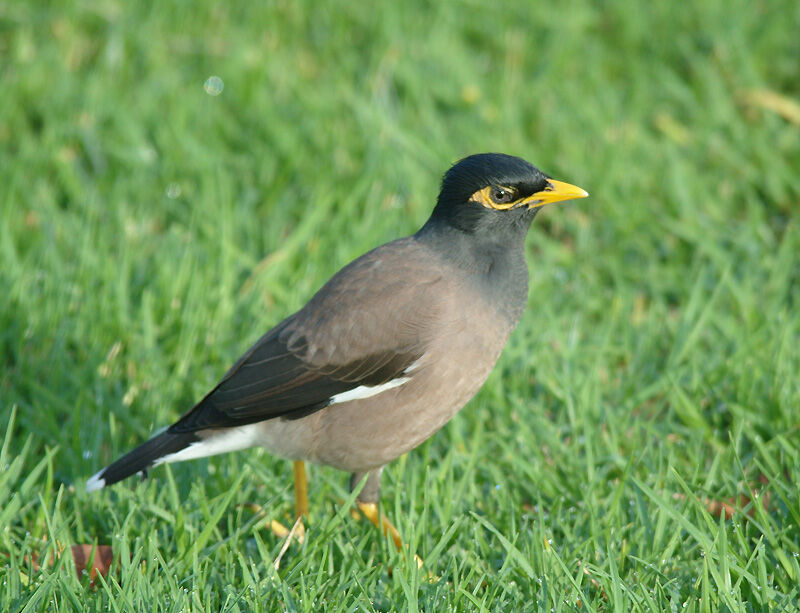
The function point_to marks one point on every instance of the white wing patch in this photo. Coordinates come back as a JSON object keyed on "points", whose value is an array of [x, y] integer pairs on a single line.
{"points": [[367, 391]]}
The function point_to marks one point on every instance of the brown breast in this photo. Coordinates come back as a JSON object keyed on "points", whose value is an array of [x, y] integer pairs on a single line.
{"points": [[368, 433]]}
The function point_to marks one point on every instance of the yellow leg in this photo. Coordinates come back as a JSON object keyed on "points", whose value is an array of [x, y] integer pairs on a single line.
{"points": [[371, 512], [298, 531], [300, 489]]}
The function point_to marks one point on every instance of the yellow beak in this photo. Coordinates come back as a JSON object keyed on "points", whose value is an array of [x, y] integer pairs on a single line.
{"points": [[556, 191]]}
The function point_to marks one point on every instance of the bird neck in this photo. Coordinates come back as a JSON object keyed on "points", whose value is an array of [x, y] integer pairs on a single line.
{"points": [[494, 263]]}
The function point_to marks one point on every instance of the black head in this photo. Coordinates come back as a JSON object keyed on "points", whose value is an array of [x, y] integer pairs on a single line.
{"points": [[489, 191]]}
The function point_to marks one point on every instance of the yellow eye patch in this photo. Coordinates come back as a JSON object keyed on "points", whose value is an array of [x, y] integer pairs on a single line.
{"points": [[556, 191], [484, 197]]}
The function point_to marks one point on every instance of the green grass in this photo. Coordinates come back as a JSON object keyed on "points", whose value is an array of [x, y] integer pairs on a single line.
{"points": [[149, 232]]}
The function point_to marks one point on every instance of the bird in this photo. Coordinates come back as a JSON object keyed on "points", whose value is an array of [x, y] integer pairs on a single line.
{"points": [[386, 352]]}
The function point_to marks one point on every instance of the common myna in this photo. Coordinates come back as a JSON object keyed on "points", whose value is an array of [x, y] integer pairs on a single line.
{"points": [[387, 351]]}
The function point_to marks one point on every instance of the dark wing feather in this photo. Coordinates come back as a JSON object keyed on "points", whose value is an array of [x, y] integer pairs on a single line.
{"points": [[366, 326]]}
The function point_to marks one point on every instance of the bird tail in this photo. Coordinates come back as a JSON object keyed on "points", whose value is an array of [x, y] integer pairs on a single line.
{"points": [[143, 457]]}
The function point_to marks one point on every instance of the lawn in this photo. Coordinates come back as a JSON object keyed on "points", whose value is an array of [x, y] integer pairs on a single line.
{"points": [[176, 178]]}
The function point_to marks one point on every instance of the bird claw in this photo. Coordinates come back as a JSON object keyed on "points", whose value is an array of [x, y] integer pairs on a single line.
{"points": [[297, 532], [278, 529], [371, 512]]}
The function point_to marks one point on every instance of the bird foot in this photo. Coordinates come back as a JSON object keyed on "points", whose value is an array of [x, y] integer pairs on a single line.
{"points": [[297, 532], [371, 512]]}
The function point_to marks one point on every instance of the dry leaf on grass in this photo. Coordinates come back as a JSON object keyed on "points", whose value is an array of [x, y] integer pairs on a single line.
{"points": [[728, 507], [786, 107], [100, 557]]}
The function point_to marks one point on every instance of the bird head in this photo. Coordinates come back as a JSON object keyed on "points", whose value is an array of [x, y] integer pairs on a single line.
{"points": [[488, 190]]}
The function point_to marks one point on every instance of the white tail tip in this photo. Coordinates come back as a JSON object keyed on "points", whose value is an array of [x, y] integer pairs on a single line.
{"points": [[95, 483]]}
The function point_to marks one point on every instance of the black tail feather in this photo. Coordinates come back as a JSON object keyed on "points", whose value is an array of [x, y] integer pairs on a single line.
{"points": [[141, 458]]}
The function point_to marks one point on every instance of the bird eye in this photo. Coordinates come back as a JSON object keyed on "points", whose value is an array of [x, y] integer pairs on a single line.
{"points": [[501, 195]]}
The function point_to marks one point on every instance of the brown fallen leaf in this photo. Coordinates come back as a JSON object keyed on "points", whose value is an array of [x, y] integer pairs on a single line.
{"points": [[100, 556], [81, 555], [728, 507]]}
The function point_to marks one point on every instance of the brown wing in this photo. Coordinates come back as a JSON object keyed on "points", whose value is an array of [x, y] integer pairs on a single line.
{"points": [[365, 327]]}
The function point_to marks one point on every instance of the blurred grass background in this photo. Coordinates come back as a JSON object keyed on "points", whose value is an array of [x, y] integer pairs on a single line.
{"points": [[153, 226]]}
